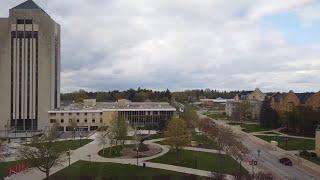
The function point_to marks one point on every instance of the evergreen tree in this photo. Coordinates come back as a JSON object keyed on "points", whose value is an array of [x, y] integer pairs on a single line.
{"points": [[268, 116]]}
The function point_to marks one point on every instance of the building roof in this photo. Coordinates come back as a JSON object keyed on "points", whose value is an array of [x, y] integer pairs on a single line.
{"points": [[129, 106], [29, 4], [278, 96], [243, 93], [303, 97]]}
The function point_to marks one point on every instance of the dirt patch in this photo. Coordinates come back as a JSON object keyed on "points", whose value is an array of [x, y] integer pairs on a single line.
{"points": [[130, 152]]}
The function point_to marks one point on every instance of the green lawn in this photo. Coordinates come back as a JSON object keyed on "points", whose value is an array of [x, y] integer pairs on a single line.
{"points": [[4, 166], [253, 128], [312, 159], [293, 143], [200, 160], [99, 170], [270, 132], [115, 151], [205, 141], [71, 144], [217, 116]]}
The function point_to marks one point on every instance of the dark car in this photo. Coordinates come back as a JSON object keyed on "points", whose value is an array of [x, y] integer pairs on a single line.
{"points": [[285, 161]]}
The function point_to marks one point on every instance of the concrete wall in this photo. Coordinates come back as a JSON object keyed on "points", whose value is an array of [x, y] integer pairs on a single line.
{"points": [[48, 52], [5, 74]]}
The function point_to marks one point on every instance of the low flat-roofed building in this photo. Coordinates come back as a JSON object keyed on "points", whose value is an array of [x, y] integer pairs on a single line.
{"points": [[101, 114]]}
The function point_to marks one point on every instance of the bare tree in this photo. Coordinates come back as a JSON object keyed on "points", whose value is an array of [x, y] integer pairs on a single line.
{"points": [[73, 125], [1, 149], [42, 153], [228, 142], [103, 138]]}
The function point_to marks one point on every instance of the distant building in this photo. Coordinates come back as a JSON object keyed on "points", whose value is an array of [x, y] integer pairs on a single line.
{"points": [[284, 102], [91, 114], [254, 98], [218, 103], [29, 68]]}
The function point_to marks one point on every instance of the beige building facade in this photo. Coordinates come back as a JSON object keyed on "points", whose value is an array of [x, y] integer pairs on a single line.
{"points": [[91, 115], [29, 68]]}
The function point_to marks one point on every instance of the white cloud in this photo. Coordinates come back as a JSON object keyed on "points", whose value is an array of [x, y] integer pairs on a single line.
{"points": [[120, 44]]}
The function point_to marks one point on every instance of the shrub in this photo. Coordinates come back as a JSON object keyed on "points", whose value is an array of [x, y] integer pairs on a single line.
{"points": [[312, 154]]}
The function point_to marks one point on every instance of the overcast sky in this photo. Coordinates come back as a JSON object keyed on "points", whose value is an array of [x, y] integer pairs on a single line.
{"points": [[186, 44]]}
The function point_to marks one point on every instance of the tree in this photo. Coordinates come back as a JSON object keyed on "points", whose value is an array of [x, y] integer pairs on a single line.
{"points": [[268, 116], [244, 108], [43, 153], [236, 115], [301, 120], [103, 137], [118, 128], [191, 117], [177, 134], [228, 142], [73, 127], [1, 149]]}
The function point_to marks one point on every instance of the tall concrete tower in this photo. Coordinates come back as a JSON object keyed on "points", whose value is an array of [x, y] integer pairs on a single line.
{"points": [[29, 68]]}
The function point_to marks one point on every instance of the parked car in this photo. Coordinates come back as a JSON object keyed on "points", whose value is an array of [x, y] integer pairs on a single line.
{"points": [[285, 161]]}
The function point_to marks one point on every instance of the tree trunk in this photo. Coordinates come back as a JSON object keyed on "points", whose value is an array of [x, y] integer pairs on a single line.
{"points": [[47, 173]]}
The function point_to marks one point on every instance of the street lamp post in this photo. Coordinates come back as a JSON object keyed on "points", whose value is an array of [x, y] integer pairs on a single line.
{"points": [[74, 133], [80, 137], [137, 156], [68, 154]]}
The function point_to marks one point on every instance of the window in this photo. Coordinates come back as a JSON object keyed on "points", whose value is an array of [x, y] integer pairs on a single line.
{"points": [[62, 114], [62, 120], [28, 21], [93, 120], [78, 120], [52, 114], [20, 21], [78, 114], [52, 121], [85, 114], [85, 120], [101, 120], [101, 113], [70, 120], [70, 114]]}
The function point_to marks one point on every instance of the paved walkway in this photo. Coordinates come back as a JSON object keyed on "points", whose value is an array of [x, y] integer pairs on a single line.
{"points": [[89, 152]]}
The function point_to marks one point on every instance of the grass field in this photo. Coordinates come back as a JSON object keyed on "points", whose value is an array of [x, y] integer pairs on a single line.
{"points": [[200, 160], [270, 132], [98, 170], [205, 141], [71, 144], [217, 116], [4, 166], [293, 143], [253, 128], [312, 159]]}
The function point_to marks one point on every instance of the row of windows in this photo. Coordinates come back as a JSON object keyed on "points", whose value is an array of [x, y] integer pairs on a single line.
{"points": [[78, 120], [24, 21], [62, 114], [24, 34]]}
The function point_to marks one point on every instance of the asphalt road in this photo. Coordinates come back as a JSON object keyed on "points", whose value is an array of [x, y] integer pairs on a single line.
{"points": [[268, 160]]}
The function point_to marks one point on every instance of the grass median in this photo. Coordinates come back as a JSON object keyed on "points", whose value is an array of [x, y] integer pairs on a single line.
{"points": [[291, 144], [254, 128], [103, 170], [200, 160]]}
